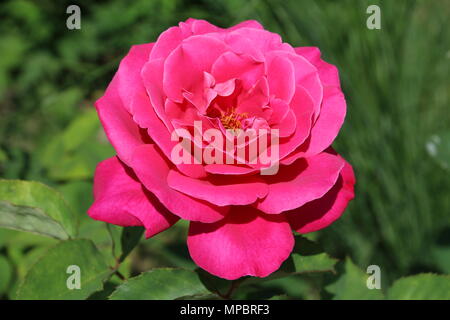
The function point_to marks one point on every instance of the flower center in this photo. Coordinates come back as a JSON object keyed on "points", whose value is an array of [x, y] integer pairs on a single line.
{"points": [[231, 119]]}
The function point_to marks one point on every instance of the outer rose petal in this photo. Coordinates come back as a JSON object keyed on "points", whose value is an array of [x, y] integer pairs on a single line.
{"points": [[168, 41], [255, 42], [121, 199], [320, 213], [203, 26], [152, 78], [246, 242], [123, 133], [247, 24], [129, 73], [152, 170], [328, 124], [301, 182], [114, 107], [171, 38], [328, 73]]}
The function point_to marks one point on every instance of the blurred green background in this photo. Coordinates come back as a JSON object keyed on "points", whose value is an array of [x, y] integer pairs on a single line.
{"points": [[396, 81]]}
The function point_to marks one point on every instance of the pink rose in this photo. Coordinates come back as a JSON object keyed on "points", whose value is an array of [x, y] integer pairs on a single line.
{"points": [[239, 78]]}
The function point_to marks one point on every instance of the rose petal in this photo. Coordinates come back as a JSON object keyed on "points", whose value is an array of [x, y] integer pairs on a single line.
{"points": [[232, 66], [201, 26], [303, 181], [168, 41], [255, 42], [121, 199], [229, 169], [225, 88], [280, 109], [328, 124], [152, 170], [306, 75], [288, 126], [247, 24], [281, 77], [246, 242], [184, 68], [322, 212], [114, 107], [328, 73], [123, 133], [303, 107], [128, 73], [221, 191], [172, 37], [253, 102], [152, 78], [162, 137], [182, 113]]}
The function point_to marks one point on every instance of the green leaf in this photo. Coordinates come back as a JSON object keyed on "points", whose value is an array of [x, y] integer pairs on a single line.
{"points": [[30, 219], [34, 207], [48, 278], [129, 239], [78, 195], [115, 233], [213, 283], [421, 287], [103, 294], [5, 274], [352, 285], [124, 239], [307, 257], [162, 283]]}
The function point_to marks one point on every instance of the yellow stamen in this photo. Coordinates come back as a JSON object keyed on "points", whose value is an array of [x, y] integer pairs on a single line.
{"points": [[232, 120]]}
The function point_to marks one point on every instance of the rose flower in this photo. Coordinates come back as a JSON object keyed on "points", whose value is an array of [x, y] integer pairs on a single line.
{"points": [[239, 80]]}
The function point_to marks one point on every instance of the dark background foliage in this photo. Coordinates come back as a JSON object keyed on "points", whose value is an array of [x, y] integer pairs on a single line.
{"points": [[396, 81]]}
